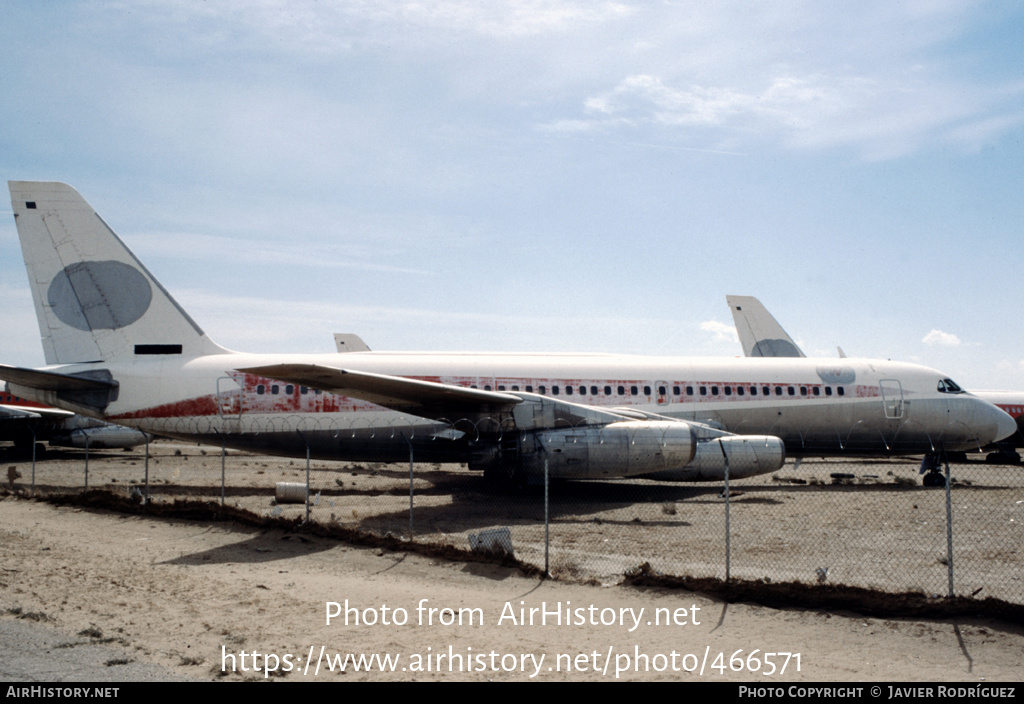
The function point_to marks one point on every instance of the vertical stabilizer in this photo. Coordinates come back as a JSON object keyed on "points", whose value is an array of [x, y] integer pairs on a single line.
{"points": [[94, 300], [760, 334]]}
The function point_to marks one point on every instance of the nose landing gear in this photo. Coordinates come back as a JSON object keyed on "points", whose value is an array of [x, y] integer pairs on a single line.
{"points": [[931, 468]]}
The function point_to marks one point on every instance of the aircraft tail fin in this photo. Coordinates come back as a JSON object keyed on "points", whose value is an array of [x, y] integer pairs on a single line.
{"points": [[94, 300], [760, 334]]}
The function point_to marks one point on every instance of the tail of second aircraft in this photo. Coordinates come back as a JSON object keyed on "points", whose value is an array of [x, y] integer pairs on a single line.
{"points": [[760, 334], [94, 299]]}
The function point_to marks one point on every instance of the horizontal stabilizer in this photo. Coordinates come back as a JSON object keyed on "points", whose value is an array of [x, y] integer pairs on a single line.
{"points": [[91, 391], [53, 381]]}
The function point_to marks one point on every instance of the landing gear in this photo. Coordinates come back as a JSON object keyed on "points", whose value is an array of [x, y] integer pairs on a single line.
{"points": [[23, 447], [499, 465], [931, 468], [1007, 456]]}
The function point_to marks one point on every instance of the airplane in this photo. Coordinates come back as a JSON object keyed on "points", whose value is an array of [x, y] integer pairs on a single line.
{"points": [[25, 422], [119, 347], [761, 336]]}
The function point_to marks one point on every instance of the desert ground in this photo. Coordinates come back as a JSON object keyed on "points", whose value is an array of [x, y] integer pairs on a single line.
{"points": [[199, 599]]}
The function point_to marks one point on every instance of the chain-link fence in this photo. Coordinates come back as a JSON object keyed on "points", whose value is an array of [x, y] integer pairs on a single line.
{"points": [[859, 522]]}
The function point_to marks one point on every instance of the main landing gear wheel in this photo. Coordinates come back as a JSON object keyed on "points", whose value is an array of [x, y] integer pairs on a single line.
{"points": [[935, 479]]}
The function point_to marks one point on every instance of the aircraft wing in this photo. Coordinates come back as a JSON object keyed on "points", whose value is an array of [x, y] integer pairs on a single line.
{"points": [[415, 396], [434, 400], [8, 412]]}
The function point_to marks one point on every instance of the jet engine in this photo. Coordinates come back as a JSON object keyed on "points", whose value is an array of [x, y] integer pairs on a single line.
{"points": [[747, 456], [110, 436], [623, 449]]}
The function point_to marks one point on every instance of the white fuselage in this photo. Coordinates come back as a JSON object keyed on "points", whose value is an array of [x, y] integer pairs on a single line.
{"points": [[817, 406]]}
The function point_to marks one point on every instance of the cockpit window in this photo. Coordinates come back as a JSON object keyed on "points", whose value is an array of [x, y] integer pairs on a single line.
{"points": [[948, 386]]}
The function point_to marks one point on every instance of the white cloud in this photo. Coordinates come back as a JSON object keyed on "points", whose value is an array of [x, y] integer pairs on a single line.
{"points": [[821, 109], [720, 332], [945, 339]]}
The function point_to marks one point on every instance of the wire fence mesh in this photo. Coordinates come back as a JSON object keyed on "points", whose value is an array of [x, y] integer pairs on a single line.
{"points": [[858, 522]]}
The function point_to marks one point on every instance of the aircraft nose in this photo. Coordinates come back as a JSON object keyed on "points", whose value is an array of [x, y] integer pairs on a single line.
{"points": [[1005, 425]]}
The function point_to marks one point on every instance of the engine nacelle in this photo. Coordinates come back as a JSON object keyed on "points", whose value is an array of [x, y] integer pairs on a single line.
{"points": [[110, 436], [748, 455], [622, 449]]}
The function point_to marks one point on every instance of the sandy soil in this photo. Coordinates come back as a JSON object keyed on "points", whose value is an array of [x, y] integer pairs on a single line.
{"points": [[189, 596], [876, 527]]}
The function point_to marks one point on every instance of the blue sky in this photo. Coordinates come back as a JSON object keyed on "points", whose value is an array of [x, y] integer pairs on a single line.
{"points": [[564, 176]]}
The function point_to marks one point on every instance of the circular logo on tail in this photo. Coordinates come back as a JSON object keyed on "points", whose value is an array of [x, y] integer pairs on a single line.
{"points": [[104, 295]]}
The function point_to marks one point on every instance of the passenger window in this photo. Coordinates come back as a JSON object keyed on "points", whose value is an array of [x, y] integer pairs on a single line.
{"points": [[714, 390], [593, 390], [289, 389], [728, 391], [633, 391], [622, 391], [647, 391], [568, 390], [841, 391], [260, 390], [607, 391], [554, 390], [274, 389]]}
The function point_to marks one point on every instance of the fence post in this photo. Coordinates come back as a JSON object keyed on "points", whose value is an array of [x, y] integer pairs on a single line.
{"points": [[33, 460], [949, 526], [307, 477], [547, 522], [87, 463], [728, 554], [411, 490], [145, 496], [223, 453]]}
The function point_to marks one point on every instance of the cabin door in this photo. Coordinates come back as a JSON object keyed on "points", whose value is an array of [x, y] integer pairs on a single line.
{"points": [[229, 398], [892, 398]]}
